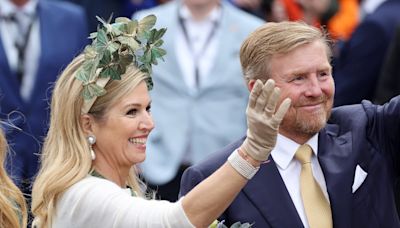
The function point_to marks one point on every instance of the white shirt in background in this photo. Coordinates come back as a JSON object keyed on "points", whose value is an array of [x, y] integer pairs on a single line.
{"points": [[197, 50]]}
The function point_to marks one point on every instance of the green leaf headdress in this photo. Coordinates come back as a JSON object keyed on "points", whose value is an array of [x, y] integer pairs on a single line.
{"points": [[114, 47]]}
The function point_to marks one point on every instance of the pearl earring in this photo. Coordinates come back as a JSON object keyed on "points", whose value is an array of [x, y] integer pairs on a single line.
{"points": [[91, 140]]}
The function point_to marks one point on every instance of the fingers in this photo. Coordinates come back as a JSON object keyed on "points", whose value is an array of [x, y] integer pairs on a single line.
{"points": [[264, 97], [255, 93], [273, 100], [283, 108]]}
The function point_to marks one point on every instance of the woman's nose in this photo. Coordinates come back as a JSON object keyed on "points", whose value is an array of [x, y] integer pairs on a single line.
{"points": [[147, 122]]}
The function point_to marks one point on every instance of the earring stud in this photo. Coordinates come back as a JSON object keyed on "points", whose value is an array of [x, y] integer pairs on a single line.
{"points": [[91, 139]]}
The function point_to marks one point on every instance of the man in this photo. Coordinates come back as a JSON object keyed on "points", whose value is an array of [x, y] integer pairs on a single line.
{"points": [[355, 155], [115, 8], [200, 99], [37, 39]]}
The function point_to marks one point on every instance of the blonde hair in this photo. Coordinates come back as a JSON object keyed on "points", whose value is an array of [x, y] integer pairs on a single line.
{"points": [[65, 157], [12, 203], [276, 38]]}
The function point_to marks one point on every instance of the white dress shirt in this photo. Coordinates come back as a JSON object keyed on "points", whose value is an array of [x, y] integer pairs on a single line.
{"points": [[9, 32], [197, 50], [290, 168]]}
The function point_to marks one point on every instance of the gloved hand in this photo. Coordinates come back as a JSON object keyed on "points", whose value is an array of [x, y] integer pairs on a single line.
{"points": [[262, 120]]}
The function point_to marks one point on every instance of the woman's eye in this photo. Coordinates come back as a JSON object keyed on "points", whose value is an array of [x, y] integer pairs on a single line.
{"points": [[132, 112], [148, 109]]}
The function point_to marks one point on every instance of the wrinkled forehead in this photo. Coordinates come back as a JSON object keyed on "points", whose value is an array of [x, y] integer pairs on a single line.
{"points": [[304, 58]]}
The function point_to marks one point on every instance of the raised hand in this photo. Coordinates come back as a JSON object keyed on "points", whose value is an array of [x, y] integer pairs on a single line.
{"points": [[263, 119]]}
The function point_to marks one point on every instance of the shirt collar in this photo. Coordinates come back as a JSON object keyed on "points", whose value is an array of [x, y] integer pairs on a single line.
{"points": [[285, 149], [7, 8], [213, 16]]}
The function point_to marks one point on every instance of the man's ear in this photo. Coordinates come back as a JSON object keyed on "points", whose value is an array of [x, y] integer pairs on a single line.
{"points": [[86, 123], [250, 85]]}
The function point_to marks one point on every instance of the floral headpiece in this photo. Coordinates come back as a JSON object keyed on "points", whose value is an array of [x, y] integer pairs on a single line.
{"points": [[114, 47]]}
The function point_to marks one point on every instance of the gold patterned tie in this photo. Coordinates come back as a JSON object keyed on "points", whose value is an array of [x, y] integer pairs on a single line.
{"points": [[318, 210]]}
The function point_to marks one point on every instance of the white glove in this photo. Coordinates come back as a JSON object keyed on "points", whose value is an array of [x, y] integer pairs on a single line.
{"points": [[262, 120]]}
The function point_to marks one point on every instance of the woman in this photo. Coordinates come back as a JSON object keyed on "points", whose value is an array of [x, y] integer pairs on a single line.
{"points": [[12, 203], [100, 121]]}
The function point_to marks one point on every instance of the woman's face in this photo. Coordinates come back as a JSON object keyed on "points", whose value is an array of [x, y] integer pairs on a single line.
{"points": [[121, 136]]}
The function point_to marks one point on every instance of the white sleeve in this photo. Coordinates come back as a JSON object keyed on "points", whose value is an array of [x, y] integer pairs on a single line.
{"points": [[94, 202]]}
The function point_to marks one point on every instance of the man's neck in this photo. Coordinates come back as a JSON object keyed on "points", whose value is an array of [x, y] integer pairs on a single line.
{"points": [[298, 138], [201, 11], [19, 3]]}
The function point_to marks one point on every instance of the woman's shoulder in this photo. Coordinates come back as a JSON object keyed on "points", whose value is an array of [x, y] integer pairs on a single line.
{"points": [[93, 187], [89, 201], [90, 180]]}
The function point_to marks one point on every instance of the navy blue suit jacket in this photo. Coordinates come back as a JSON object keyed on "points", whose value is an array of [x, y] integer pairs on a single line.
{"points": [[365, 134], [357, 69], [63, 33]]}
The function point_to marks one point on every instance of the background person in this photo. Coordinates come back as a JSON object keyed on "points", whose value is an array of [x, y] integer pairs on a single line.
{"points": [[37, 39], [360, 61]]}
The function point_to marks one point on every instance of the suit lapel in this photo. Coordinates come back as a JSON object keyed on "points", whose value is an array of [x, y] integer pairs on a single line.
{"points": [[272, 200], [333, 153]]}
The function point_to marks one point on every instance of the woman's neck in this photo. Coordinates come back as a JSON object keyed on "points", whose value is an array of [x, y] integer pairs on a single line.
{"points": [[111, 172]]}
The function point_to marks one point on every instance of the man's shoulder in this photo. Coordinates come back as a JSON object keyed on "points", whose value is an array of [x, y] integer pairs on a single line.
{"points": [[356, 113], [242, 17], [161, 10], [349, 116]]}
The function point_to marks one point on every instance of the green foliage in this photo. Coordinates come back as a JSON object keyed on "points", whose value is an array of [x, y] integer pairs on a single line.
{"points": [[117, 45], [217, 224]]}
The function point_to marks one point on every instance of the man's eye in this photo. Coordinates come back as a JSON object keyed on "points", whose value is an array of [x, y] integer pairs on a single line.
{"points": [[148, 109], [297, 78], [323, 74]]}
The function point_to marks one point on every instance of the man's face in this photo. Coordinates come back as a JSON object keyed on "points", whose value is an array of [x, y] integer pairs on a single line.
{"points": [[305, 76], [200, 3]]}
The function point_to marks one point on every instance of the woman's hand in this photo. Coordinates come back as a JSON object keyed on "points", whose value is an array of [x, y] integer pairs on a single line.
{"points": [[263, 119]]}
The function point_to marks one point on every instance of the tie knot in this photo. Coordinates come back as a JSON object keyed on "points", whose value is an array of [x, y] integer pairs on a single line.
{"points": [[303, 154]]}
